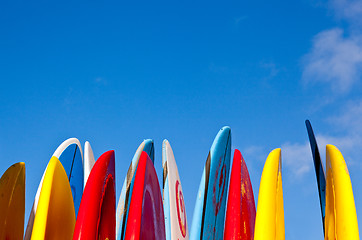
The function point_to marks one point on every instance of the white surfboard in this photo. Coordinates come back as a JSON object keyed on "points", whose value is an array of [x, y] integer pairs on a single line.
{"points": [[173, 199], [88, 161], [58, 153]]}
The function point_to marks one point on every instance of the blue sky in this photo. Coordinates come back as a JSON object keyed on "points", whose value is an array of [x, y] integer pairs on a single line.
{"points": [[115, 73]]}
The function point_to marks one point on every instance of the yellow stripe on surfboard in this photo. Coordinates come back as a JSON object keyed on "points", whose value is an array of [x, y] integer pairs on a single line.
{"points": [[12, 202], [55, 216], [341, 218], [269, 221]]}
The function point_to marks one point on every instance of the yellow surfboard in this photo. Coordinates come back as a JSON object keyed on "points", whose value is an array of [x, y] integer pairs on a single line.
{"points": [[341, 218], [55, 216], [12, 202], [269, 221]]}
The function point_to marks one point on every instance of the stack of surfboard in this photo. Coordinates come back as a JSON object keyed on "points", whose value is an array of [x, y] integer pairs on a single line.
{"points": [[76, 197]]}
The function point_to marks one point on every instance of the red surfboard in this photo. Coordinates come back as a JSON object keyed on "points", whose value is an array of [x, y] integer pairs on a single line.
{"points": [[145, 217], [97, 212], [240, 213]]}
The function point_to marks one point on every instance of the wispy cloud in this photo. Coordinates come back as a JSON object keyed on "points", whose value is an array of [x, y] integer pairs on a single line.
{"points": [[272, 68], [297, 158], [336, 55], [238, 20], [335, 60], [349, 118], [100, 80], [348, 10]]}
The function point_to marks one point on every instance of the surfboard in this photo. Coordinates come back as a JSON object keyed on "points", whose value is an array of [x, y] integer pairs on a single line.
{"points": [[126, 192], [173, 199], [319, 171], [55, 216], [269, 221], [71, 156], [146, 217], [88, 161], [96, 216], [240, 212], [12, 202], [341, 218], [209, 213]]}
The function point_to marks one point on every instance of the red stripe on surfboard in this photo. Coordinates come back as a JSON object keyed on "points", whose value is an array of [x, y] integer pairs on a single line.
{"points": [[181, 211], [146, 217], [240, 213], [97, 212]]}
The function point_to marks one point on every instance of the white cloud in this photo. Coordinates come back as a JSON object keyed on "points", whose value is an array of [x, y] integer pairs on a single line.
{"points": [[258, 153], [334, 59], [347, 9], [350, 118], [297, 158]]}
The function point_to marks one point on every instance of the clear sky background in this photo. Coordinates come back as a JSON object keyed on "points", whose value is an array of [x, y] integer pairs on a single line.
{"points": [[116, 73]]}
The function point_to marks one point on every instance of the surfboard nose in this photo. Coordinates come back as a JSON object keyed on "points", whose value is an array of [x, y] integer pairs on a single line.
{"points": [[225, 130]]}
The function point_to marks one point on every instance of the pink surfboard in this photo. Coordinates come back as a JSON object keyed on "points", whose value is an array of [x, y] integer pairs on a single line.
{"points": [[146, 217]]}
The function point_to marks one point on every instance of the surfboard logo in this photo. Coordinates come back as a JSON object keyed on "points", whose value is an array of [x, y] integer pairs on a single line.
{"points": [[181, 211], [219, 186]]}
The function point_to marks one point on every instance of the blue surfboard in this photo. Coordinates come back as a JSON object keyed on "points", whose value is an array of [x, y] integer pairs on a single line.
{"points": [[70, 155], [321, 179], [209, 213], [126, 193]]}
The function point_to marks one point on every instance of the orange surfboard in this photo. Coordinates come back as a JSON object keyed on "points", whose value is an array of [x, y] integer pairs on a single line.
{"points": [[12, 202]]}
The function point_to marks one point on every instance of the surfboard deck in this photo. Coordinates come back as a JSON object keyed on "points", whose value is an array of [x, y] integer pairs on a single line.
{"points": [[173, 199], [341, 218], [55, 216], [146, 217], [240, 212], [70, 154], [96, 217], [12, 202], [318, 167], [126, 192], [209, 213], [88, 161], [269, 221]]}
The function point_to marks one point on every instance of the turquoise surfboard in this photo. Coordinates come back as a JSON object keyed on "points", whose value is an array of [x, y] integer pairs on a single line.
{"points": [[126, 193], [209, 212]]}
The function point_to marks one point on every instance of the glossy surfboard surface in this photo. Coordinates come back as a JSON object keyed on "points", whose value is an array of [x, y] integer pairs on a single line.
{"points": [[55, 216], [70, 155], [341, 218], [12, 202], [209, 212], [173, 199], [146, 217], [240, 212], [126, 192], [96, 217], [88, 161], [318, 167], [269, 221]]}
